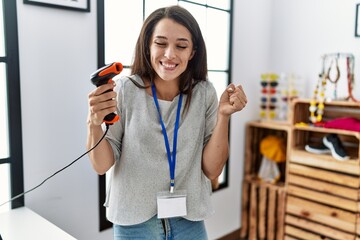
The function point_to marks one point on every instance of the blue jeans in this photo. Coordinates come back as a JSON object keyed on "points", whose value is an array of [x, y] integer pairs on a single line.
{"points": [[162, 229]]}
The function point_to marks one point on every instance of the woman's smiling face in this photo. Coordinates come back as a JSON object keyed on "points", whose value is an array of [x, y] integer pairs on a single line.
{"points": [[171, 48]]}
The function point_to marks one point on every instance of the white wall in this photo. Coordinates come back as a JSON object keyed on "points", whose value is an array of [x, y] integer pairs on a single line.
{"points": [[302, 31], [249, 58], [58, 51]]}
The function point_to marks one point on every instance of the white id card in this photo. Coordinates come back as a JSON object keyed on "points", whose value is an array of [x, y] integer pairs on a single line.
{"points": [[171, 204]]}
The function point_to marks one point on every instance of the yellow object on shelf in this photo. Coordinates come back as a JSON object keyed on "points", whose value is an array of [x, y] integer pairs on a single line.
{"points": [[273, 148]]}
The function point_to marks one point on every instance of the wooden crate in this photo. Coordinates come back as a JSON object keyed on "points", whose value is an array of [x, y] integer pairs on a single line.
{"points": [[318, 196], [263, 204], [335, 109], [255, 132], [321, 213], [262, 211], [299, 228], [323, 202], [322, 193]]}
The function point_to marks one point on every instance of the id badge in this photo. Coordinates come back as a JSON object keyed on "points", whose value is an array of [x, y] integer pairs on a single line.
{"points": [[171, 204]]}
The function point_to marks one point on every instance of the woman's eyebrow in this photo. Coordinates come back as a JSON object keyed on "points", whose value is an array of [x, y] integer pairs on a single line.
{"points": [[161, 37], [178, 39], [183, 39]]}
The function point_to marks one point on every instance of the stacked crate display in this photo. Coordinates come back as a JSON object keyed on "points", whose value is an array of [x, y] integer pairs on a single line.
{"points": [[318, 196], [322, 192], [263, 204]]}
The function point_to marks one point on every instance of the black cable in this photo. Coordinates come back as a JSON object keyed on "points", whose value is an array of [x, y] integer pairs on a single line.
{"points": [[32, 189]]}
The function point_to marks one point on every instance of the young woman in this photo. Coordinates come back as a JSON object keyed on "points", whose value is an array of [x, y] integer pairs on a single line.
{"points": [[172, 136]]}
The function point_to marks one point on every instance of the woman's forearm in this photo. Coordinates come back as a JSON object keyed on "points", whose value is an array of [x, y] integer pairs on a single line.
{"points": [[216, 151], [101, 157]]}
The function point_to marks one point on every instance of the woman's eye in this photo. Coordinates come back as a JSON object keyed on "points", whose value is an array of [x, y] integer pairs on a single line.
{"points": [[160, 44], [164, 44]]}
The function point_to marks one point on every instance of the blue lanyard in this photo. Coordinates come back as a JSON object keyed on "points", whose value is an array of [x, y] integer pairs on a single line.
{"points": [[171, 159]]}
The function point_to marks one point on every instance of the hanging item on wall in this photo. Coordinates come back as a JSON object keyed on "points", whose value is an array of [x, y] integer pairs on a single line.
{"points": [[333, 84], [357, 21], [338, 69], [350, 77], [77, 5], [317, 102]]}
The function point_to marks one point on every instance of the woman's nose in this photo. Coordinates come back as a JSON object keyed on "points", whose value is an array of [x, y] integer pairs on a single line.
{"points": [[170, 53]]}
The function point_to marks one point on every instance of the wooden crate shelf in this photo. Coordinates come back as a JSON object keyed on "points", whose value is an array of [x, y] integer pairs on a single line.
{"points": [[335, 109], [324, 175], [262, 211], [256, 131], [328, 131], [319, 196], [325, 162], [320, 213], [263, 204], [301, 228], [322, 192], [309, 135]]}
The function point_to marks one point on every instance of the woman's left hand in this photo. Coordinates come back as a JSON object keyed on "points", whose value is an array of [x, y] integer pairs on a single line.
{"points": [[233, 99]]}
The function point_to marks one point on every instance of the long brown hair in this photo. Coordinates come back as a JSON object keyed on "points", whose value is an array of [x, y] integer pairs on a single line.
{"points": [[196, 70]]}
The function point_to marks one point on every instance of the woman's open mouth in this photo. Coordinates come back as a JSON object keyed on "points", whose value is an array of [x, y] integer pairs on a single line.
{"points": [[169, 66]]}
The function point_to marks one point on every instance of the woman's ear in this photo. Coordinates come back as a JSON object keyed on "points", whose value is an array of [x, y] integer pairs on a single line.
{"points": [[192, 54]]}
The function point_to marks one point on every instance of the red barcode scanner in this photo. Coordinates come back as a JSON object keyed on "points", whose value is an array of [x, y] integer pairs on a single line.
{"points": [[102, 76]]}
